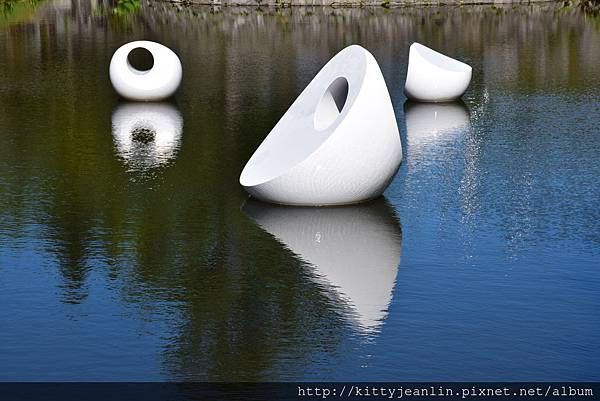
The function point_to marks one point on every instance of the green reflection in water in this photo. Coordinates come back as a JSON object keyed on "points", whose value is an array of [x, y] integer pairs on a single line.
{"points": [[125, 7], [16, 11]]}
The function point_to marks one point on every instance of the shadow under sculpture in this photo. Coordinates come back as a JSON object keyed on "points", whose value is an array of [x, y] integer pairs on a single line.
{"points": [[146, 135], [354, 250], [435, 77], [337, 144]]}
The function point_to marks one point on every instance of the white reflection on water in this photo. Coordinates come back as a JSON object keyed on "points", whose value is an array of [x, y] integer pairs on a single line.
{"points": [[354, 250], [430, 125], [147, 135]]}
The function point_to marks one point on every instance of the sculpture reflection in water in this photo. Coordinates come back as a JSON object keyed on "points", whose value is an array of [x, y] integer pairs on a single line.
{"points": [[430, 125], [354, 250], [147, 135]]}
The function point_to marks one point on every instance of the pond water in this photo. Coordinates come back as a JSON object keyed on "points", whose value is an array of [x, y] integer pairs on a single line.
{"points": [[128, 250]]}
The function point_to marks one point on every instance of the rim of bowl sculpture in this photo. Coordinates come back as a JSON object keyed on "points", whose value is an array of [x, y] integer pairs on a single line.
{"points": [[440, 60], [311, 120]]}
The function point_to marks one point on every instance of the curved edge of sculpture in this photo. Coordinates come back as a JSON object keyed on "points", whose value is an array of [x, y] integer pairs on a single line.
{"points": [[338, 143], [354, 250], [146, 135], [435, 77], [158, 83]]}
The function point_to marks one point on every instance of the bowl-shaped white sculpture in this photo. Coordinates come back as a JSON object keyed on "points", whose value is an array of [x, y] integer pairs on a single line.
{"points": [[157, 83], [434, 77], [146, 135], [337, 144], [354, 251]]}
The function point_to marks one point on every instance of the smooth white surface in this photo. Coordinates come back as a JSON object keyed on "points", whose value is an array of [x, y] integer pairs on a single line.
{"points": [[434, 77], [161, 123], [159, 82], [319, 155], [354, 250]]}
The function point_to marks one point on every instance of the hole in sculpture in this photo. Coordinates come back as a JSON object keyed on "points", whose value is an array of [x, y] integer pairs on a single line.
{"points": [[331, 104], [141, 59]]}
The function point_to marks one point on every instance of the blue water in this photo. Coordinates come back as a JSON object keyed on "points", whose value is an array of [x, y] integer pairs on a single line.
{"points": [[482, 262]]}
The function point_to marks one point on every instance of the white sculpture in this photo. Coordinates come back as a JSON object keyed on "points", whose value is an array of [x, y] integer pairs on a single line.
{"points": [[354, 251], [146, 135], [432, 124], [434, 77], [338, 143], [157, 83]]}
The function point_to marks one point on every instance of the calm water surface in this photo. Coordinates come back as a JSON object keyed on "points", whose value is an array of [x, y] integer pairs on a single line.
{"points": [[128, 251]]}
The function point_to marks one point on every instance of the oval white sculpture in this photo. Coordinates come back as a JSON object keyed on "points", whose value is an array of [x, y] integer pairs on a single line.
{"points": [[157, 83], [146, 135], [434, 77], [354, 250], [337, 144]]}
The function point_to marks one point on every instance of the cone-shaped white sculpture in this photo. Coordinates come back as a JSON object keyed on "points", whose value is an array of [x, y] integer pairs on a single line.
{"points": [[355, 250], [159, 82], [146, 135], [338, 143], [429, 124], [434, 77]]}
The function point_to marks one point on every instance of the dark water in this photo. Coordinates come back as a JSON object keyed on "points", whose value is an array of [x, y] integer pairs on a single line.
{"points": [[130, 252]]}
